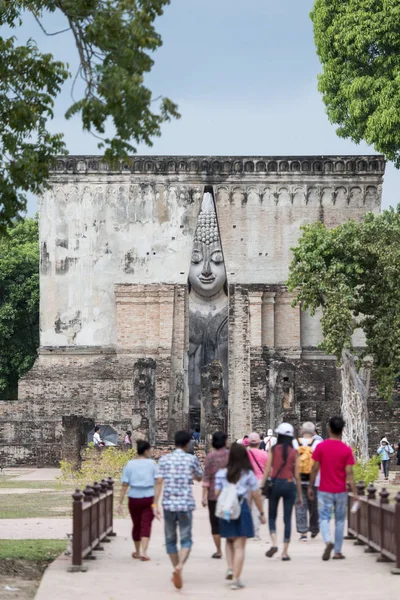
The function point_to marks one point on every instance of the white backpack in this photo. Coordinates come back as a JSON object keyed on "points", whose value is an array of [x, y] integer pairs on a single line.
{"points": [[228, 504]]}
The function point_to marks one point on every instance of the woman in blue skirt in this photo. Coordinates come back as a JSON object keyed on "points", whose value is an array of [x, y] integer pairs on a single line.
{"points": [[236, 532]]}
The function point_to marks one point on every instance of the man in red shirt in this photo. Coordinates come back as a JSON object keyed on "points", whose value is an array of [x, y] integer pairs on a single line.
{"points": [[335, 460]]}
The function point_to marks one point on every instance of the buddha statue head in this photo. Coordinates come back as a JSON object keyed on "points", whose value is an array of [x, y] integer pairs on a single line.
{"points": [[207, 275]]}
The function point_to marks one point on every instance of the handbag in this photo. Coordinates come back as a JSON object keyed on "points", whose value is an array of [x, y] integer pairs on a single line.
{"points": [[269, 484]]}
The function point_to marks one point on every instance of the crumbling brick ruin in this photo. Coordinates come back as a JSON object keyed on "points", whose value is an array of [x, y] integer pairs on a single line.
{"points": [[116, 249]]}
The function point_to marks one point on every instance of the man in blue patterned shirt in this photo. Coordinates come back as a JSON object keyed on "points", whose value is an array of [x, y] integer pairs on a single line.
{"points": [[176, 472]]}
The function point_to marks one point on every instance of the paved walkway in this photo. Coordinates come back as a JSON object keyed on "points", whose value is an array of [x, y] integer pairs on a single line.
{"points": [[114, 575]]}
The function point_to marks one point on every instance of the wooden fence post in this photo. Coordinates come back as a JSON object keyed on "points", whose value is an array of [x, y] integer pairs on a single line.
{"points": [[88, 493], [349, 535], [110, 482], [96, 493], [361, 493], [384, 499], [371, 491], [396, 569], [77, 533]]}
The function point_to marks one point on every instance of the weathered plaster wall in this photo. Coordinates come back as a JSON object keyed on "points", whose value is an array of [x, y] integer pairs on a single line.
{"points": [[136, 224]]}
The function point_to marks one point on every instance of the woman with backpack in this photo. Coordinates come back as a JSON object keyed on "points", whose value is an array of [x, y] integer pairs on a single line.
{"points": [[283, 471], [233, 486]]}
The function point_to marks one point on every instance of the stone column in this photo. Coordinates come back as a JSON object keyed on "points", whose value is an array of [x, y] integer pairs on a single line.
{"points": [[178, 394], [213, 410], [74, 437], [144, 391], [268, 319], [287, 324], [239, 403], [255, 304]]}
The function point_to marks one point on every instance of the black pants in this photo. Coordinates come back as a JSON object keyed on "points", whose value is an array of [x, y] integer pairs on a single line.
{"points": [[214, 521], [386, 465]]}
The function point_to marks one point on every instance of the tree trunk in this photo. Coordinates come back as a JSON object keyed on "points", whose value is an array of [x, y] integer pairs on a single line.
{"points": [[355, 390]]}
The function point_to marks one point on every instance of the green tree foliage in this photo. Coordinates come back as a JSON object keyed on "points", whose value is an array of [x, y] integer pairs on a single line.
{"points": [[19, 304], [358, 44], [352, 273], [115, 40]]}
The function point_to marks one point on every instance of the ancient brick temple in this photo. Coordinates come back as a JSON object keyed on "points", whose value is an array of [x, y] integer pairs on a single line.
{"points": [[127, 341]]}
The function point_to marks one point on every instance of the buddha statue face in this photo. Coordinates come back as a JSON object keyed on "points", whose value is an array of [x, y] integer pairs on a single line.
{"points": [[207, 274]]}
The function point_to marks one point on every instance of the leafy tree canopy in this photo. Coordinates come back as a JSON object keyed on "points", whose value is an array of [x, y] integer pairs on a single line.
{"points": [[358, 44], [115, 40], [19, 304], [352, 273]]}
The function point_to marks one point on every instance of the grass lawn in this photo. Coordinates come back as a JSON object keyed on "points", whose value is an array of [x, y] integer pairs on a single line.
{"points": [[55, 501], [36, 550], [35, 485], [43, 504]]}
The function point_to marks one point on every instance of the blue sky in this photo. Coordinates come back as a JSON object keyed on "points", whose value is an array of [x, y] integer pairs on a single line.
{"points": [[244, 75]]}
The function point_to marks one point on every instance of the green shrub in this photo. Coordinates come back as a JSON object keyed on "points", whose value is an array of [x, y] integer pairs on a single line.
{"points": [[368, 472], [97, 465]]}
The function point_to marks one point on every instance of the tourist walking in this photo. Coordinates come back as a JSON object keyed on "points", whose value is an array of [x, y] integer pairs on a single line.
{"points": [[307, 513], [283, 471], [238, 482], [397, 449], [139, 476], [269, 440], [258, 459], [215, 460], [196, 435], [385, 452], [335, 461], [128, 440], [175, 475]]}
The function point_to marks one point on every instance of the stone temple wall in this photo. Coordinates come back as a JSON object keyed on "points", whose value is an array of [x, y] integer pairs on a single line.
{"points": [[115, 254]]}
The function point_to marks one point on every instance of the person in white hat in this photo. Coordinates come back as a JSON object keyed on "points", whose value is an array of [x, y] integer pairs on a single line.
{"points": [[385, 451], [307, 515], [283, 469], [269, 440]]}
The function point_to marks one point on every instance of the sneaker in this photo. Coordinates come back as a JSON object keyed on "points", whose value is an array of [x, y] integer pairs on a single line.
{"points": [[314, 535], [229, 575], [237, 585], [304, 538]]}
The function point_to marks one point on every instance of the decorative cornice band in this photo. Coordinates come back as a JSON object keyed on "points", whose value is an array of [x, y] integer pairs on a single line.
{"points": [[224, 166]]}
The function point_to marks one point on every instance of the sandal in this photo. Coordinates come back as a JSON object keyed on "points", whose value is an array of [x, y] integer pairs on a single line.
{"points": [[273, 550], [338, 557], [135, 555], [216, 555], [177, 580], [286, 558], [328, 551], [144, 558]]}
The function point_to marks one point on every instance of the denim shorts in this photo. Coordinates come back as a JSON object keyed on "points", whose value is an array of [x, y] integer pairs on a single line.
{"points": [[174, 521]]}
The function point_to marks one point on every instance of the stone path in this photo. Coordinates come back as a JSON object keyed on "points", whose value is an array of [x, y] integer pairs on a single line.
{"points": [[114, 575]]}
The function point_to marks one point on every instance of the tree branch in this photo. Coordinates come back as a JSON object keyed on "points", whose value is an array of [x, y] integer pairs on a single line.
{"points": [[46, 32]]}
